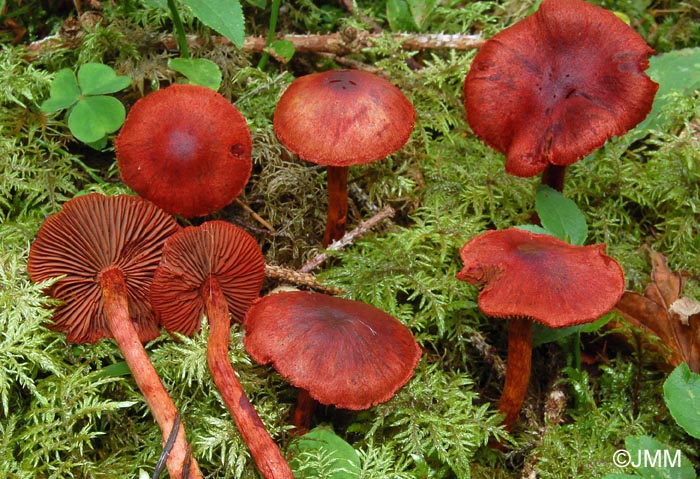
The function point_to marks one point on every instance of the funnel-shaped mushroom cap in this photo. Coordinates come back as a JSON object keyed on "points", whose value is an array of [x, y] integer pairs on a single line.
{"points": [[556, 85], [344, 353], [94, 233], [541, 277], [185, 148], [217, 250], [343, 118]]}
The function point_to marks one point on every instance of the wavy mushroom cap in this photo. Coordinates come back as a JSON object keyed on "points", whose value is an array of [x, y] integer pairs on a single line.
{"points": [[91, 234], [557, 85], [185, 148], [343, 118], [344, 353], [215, 249], [541, 277]]}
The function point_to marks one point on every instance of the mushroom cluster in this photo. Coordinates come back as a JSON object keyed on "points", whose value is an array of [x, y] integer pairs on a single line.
{"points": [[545, 92]]}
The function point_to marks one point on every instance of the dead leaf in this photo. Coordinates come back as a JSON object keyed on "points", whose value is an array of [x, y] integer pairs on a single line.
{"points": [[661, 311]]}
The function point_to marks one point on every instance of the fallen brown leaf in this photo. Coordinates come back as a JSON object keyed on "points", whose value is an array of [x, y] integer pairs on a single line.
{"points": [[659, 312]]}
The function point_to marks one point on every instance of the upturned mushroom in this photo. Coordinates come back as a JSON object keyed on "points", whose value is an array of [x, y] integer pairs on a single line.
{"points": [[217, 269], [557, 85], [341, 118], [104, 250], [533, 277], [185, 148], [335, 351]]}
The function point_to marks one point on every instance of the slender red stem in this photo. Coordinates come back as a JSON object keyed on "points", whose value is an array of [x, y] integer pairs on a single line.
{"points": [[116, 306], [265, 452], [303, 412], [553, 176], [337, 203], [517, 370]]}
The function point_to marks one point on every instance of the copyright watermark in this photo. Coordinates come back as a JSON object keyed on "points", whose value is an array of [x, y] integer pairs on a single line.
{"points": [[661, 458]]}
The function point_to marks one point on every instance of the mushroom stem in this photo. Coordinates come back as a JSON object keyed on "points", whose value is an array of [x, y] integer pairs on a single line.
{"points": [[265, 452], [303, 412], [337, 203], [517, 371], [553, 176], [116, 307]]}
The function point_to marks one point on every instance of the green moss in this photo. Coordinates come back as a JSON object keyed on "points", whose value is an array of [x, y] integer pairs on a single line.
{"points": [[61, 415]]}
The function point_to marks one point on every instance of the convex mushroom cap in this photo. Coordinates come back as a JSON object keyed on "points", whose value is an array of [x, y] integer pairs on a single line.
{"points": [[541, 277], [558, 84], [343, 118], [344, 353], [186, 148]]}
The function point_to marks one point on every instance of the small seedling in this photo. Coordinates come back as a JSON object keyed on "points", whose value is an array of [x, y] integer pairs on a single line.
{"points": [[92, 114]]}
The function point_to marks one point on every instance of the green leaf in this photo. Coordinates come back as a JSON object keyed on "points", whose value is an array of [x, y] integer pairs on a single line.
{"points": [[420, 9], [655, 460], [223, 16], [682, 397], [542, 334], [114, 370], [399, 16], [340, 458], [199, 71], [64, 92], [283, 50], [98, 79], [560, 215], [536, 229], [675, 71], [96, 116]]}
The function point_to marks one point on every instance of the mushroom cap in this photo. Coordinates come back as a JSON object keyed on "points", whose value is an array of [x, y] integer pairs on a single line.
{"points": [[557, 85], [343, 118], [214, 249], [186, 148], [541, 277], [344, 353], [91, 234]]}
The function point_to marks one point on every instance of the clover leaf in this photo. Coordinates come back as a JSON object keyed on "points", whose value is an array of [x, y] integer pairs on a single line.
{"points": [[92, 115]]}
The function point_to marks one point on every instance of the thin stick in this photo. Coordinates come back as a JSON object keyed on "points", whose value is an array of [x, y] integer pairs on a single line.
{"points": [[348, 238], [299, 279], [255, 216], [346, 42]]}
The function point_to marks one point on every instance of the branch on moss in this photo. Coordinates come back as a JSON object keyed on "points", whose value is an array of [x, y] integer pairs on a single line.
{"points": [[349, 237], [299, 279], [345, 42]]}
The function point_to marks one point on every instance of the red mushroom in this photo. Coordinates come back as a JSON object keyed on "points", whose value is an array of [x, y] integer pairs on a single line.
{"points": [[341, 118], [185, 148], [555, 86], [105, 251], [533, 277], [337, 351], [217, 269]]}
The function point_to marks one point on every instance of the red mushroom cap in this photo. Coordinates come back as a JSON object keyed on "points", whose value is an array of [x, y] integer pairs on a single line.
{"points": [[214, 249], [186, 148], [541, 277], [558, 84], [91, 234], [343, 118], [345, 353]]}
